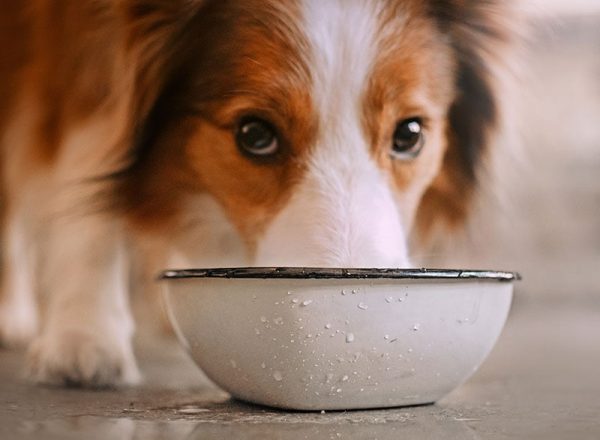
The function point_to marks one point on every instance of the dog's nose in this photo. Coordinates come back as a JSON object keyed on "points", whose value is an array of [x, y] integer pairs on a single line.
{"points": [[371, 241], [358, 226]]}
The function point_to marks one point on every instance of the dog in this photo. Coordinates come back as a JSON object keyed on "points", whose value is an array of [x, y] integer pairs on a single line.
{"points": [[218, 133]]}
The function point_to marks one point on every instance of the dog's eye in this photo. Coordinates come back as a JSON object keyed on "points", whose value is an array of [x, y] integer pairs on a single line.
{"points": [[257, 137], [408, 139]]}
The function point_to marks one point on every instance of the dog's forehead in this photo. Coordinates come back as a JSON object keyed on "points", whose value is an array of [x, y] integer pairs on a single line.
{"points": [[303, 40], [343, 39], [321, 62]]}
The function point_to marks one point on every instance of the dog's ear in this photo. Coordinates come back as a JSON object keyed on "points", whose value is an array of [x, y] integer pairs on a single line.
{"points": [[479, 32], [152, 38]]}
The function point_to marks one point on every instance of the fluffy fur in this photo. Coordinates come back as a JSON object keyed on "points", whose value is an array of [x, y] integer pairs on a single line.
{"points": [[118, 122]]}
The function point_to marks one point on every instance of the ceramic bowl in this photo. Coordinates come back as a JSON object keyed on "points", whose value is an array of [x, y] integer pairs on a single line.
{"points": [[333, 339]]}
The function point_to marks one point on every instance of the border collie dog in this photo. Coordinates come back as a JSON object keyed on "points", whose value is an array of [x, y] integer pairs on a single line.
{"points": [[216, 133]]}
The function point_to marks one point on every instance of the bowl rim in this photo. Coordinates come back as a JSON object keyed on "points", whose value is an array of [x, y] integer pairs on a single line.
{"points": [[339, 273]]}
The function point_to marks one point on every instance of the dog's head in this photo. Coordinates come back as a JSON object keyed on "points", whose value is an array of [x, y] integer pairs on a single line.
{"points": [[327, 131]]}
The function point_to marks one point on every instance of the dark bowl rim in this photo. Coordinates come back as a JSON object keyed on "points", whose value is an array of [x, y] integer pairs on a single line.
{"points": [[339, 273]]}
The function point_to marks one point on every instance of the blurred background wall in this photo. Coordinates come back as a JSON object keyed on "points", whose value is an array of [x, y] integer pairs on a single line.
{"points": [[546, 223]]}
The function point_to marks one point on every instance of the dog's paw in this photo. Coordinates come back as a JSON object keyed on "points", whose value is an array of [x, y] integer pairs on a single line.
{"points": [[18, 327], [82, 359]]}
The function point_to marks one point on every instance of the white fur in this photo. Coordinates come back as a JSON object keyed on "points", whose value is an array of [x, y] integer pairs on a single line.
{"points": [[81, 275], [343, 213], [88, 330], [87, 335], [18, 309], [206, 238]]}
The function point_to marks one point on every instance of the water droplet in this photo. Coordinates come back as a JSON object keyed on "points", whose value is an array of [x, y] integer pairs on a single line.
{"points": [[289, 292], [277, 376], [339, 390], [389, 299], [278, 320], [349, 337], [343, 292], [362, 389], [400, 300], [263, 319], [345, 378], [410, 350], [354, 291], [308, 336], [306, 303], [327, 326], [263, 365], [295, 301], [386, 337], [416, 327], [322, 411], [363, 306]]}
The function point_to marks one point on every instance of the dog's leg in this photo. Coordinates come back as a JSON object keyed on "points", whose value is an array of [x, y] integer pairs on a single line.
{"points": [[18, 308], [86, 337]]}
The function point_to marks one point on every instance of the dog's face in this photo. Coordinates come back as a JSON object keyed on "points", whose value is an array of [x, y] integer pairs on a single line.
{"points": [[323, 129]]}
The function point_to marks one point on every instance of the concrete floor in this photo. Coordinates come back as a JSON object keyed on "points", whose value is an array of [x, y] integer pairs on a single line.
{"points": [[541, 382]]}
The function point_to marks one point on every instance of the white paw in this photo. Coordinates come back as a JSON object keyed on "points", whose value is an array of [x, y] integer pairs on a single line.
{"points": [[81, 358], [18, 326]]}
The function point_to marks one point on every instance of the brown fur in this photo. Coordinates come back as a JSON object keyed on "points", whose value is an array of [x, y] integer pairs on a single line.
{"points": [[219, 86], [415, 78]]}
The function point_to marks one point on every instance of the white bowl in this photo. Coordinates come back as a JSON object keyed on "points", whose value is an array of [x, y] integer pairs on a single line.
{"points": [[325, 339]]}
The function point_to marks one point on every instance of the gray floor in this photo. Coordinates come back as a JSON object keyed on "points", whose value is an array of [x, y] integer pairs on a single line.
{"points": [[541, 382]]}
